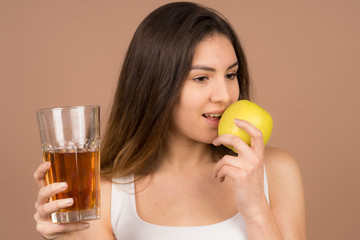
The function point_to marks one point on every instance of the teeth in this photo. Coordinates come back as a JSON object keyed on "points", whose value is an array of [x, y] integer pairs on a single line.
{"points": [[213, 115]]}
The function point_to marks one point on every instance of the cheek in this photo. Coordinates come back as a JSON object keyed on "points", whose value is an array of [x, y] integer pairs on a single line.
{"points": [[234, 92], [187, 118], [186, 113], [190, 102], [183, 113]]}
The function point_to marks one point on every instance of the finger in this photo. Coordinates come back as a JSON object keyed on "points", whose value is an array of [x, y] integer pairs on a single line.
{"points": [[226, 160], [257, 141], [234, 141], [50, 230], [40, 173], [44, 211], [242, 166], [50, 190], [235, 174]]}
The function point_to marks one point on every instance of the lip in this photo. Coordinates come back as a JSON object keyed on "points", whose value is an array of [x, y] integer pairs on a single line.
{"points": [[212, 122], [216, 112]]}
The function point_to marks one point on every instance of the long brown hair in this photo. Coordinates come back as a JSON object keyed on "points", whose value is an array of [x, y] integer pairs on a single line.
{"points": [[157, 62]]}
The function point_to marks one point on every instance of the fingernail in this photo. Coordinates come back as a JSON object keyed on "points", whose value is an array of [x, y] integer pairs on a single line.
{"points": [[46, 164], [63, 185], [69, 201], [237, 120], [86, 225]]}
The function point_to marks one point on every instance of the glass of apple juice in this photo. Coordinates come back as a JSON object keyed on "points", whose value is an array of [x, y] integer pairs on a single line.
{"points": [[70, 141]]}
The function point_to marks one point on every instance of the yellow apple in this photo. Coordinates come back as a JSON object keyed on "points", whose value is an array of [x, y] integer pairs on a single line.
{"points": [[248, 111]]}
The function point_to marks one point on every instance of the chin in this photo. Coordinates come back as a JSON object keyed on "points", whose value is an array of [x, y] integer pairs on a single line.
{"points": [[204, 136], [209, 139]]}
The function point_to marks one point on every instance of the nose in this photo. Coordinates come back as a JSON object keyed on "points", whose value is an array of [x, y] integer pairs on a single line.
{"points": [[220, 91]]}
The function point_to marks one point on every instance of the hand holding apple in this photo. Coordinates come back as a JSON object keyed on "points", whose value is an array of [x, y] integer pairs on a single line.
{"points": [[246, 169]]}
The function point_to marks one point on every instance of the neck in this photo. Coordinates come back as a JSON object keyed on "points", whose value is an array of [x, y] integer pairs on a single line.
{"points": [[183, 155]]}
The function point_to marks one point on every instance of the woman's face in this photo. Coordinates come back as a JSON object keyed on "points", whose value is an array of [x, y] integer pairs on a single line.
{"points": [[210, 87]]}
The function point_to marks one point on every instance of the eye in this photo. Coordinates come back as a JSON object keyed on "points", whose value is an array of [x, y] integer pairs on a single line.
{"points": [[200, 78], [231, 76]]}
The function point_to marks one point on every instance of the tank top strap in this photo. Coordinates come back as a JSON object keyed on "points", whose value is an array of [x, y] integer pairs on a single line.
{"points": [[266, 186]]}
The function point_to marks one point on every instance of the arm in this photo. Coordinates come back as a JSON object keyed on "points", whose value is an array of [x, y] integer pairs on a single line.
{"points": [[281, 220], [99, 229], [286, 193], [286, 213]]}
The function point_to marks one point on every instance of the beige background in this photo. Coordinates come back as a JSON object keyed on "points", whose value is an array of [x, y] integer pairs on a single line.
{"points": [[303, 57]]}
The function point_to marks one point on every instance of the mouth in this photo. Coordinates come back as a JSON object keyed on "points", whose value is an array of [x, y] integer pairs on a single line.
{"points": [[213, 119], [215, 116]]}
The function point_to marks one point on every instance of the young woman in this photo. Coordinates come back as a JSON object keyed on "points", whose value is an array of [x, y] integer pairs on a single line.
{"points": [[166, 173]]}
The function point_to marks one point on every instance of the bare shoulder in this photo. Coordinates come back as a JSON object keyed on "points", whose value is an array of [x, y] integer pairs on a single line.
{"points": [[278, 158], [282, 170], [106, 188], [286, 192], [280, 165]]}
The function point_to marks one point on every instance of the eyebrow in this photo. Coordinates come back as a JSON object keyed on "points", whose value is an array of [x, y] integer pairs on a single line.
{"points": [[201, 67]]}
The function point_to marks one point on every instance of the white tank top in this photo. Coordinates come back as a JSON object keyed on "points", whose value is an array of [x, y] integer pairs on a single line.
{"points": [[127, 225]]}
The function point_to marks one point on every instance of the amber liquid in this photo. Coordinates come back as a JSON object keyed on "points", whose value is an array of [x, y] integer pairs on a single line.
{"points": [[81, 171]]}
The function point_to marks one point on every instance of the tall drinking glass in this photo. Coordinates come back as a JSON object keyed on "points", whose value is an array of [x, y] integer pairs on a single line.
{"points": [[70, 140]]}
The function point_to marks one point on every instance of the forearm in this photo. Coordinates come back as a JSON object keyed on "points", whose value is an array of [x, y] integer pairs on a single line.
{"points": [[263, 226]]}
